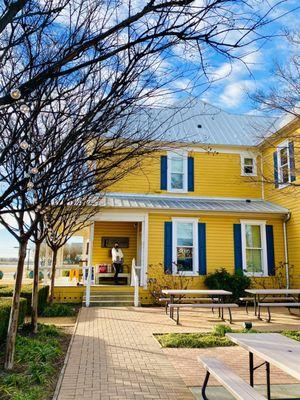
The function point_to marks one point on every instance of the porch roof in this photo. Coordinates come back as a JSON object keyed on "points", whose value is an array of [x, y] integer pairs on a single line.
{"points": [[161, 202]]}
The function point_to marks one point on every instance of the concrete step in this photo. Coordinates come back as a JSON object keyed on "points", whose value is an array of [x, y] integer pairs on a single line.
{"points": [[109, 298], [104, 303]]}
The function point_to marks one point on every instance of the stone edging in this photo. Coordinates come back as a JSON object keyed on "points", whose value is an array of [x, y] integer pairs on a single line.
{"points": [[62, 372]]}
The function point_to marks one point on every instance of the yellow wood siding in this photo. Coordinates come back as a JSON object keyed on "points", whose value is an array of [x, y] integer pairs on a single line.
{"points": [[219, 240], [216, 175], [288, 197], [102, 255]]}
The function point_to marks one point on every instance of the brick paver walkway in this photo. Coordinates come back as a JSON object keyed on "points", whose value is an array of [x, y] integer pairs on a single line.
{"points": [[115, 357]]}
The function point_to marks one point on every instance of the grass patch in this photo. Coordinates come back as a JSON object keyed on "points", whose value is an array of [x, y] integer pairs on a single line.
{"points": [[38, 361], [59, 310], [202, 340]]}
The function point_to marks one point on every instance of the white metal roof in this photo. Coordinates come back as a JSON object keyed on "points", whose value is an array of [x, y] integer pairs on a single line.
{"points": [[160, 202], [195, 121]]}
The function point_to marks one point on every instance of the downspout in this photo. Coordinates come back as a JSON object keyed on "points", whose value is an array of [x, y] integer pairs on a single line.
{"points": [[262, 178], [286, 255]]}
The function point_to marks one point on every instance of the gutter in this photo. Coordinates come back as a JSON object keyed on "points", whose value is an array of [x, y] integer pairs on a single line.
{"points": [[286, 255]]}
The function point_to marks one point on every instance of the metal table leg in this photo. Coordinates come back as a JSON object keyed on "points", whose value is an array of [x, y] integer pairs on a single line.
{"points": [[251, 369]]}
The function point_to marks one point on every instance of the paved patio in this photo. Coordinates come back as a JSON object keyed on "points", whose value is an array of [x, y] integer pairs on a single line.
{"points": [[114, 355]]}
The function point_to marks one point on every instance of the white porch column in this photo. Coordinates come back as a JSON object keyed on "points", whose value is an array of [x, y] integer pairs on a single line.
{"points": [[144, 252], [91, 244]]}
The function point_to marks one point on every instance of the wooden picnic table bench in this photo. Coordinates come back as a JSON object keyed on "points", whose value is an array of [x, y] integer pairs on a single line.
{"points": [[273, 349], [173, 293], [229, 379], [219, 306], [267, 299], [167, 300], [270, 305], [261, 294]]}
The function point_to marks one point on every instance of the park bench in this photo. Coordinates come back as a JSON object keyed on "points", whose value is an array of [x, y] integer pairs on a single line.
{"points": [[167, 300], [228, 379], [269, 299], [219, 306], [270, 305]]}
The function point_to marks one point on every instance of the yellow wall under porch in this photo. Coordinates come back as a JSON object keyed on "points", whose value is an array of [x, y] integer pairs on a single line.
{"points": [[74, 294]]}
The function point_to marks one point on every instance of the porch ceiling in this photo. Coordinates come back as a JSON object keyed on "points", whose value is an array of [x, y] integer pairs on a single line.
{"points": [[160, 202]]}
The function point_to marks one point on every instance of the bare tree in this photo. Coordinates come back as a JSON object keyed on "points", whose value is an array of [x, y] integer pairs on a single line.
{"points": [[76, 82], [284, 96]]}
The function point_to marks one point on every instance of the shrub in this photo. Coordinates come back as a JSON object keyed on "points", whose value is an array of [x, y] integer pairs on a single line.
{"points": [[26, 293], [59, 310], [221, 330], [1, 274], [193, 340], [5, 305], [235, 283]]}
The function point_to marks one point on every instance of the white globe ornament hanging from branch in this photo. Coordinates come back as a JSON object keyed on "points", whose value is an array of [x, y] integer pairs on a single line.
{"points": [[24, 109], [24, 145], [34, 170], [15, 94], [30, 185]]}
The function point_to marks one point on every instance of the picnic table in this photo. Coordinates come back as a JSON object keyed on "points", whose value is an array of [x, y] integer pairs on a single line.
{"points": [[173, 293], [262, 293], [274, 349]]}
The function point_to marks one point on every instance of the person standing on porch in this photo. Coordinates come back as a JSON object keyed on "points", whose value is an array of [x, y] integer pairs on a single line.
{"points": [[117, 260]]}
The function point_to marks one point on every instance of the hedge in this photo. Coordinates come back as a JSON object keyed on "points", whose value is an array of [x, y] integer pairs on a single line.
{"points": [[27, 294], [5, 305]]}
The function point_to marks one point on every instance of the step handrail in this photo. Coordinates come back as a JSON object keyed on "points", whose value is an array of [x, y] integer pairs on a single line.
{"points": [[136, 283], [88, 286]]}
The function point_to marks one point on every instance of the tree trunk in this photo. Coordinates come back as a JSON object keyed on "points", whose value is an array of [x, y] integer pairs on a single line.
{"points": [[14, 312], [53, 271], [35, 289]]}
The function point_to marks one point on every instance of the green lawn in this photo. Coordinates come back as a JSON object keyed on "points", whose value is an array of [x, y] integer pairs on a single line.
{"points": [[38, 361], [216, 338]]}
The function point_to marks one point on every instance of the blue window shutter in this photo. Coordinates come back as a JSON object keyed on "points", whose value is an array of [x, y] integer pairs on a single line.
{"points": [[238, 257], [190, 174], [275, 159], [270, 249], [292, 161], [202, 248], [168, 262], [163, 172]]}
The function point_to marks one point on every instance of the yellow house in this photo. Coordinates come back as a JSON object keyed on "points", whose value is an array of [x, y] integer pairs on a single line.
{"points": [[224, 198]]}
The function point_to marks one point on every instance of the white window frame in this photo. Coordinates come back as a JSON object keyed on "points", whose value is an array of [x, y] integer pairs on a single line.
{"points": [[184, 155], [243, 173], [195, 222], [282, 145], [263, 237]]}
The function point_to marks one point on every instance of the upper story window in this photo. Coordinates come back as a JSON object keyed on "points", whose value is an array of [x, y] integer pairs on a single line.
{"points": [[185, 245], [254, 247], [248, 165], [177, 171], [284, 164]]}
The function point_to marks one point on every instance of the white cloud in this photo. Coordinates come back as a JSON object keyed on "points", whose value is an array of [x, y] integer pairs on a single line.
{"points": [[234, 93]]}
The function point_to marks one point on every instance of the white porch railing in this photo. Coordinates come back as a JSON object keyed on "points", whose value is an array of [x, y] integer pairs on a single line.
{"points": [[135, 281], [88, 285]]}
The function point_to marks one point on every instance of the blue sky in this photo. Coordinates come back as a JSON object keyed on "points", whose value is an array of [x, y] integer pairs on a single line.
{"points": [[230, 92]]}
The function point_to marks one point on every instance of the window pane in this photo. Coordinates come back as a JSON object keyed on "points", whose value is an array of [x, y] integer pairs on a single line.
{"points": [[177, 181], [248, 161], [285, 174], [177, 165], [248, 169], [254, 263], [185, 234], [184, 259], [253, 236], [283, 156]]}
